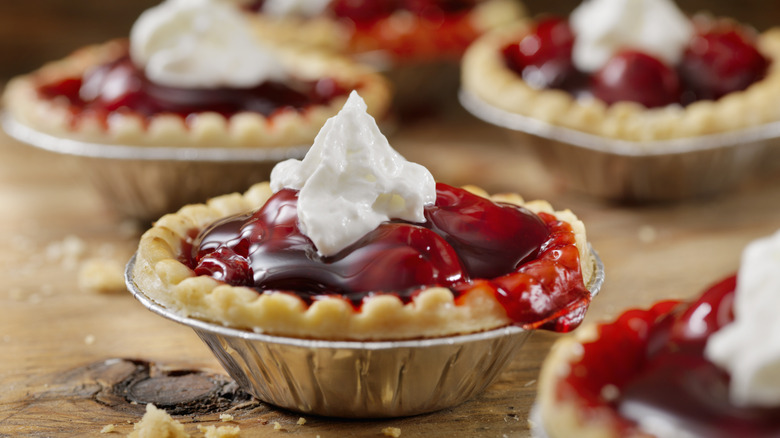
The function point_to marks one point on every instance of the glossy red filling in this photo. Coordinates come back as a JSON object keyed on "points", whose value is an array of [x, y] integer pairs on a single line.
{"points": [[121, 86], [652, 361], [405, 28], [719, 60], [528, 261]]}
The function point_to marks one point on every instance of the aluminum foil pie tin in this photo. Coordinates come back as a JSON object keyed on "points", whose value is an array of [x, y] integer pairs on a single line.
{"points": [[353, 379], [144, 183], [632, 171]]}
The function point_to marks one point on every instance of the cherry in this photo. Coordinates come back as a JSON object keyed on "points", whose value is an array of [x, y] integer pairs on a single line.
{"points": [[636, 77], [550, 286], [719, 62], [225, 265], [68, 88], [543, 57], [491, 239], [114, 86], [705, 316], [398, 257]]}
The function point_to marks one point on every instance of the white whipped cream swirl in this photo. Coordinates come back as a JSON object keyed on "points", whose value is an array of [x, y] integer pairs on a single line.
{"points": [[201, 44], [749, 347], [352, 180], [605, 27]]}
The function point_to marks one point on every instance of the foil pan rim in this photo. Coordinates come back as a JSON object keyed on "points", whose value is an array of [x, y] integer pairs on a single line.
{"points": [[593, 287], [518, 122], [52, 143]]}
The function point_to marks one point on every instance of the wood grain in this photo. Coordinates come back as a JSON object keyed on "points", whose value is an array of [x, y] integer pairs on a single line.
{"points": [[54, 335], [51, 331]]}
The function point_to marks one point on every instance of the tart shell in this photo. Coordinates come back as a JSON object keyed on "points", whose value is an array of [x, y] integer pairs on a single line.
{"points": [[208, 129], [486, 75], [434, 312]]}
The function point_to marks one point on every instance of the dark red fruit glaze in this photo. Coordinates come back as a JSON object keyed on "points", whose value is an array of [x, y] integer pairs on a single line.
{"points": [[528, 261], [543, 57], [717, 62], [655, 359], [364, 12], [430, 29], [121, 86], [636, 77]]}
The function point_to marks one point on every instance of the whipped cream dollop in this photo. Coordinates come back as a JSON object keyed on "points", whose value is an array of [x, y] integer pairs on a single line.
{"points": [[749, 347], [305, 8], [201, 44], [352, 180], [605, 27]]}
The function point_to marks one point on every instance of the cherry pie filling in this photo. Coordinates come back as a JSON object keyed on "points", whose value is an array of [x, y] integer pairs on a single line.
{"points": [[405, 28], [652, 362], [529, 262], [120, 86], [720, 59]]}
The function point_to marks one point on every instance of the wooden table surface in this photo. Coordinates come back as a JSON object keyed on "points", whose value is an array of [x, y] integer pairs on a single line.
{"points": [[58, 340], [64, 348]]}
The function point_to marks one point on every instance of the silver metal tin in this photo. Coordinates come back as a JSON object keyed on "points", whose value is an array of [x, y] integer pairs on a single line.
{"points": [[144, 182], [636, 171], [354, 379]]}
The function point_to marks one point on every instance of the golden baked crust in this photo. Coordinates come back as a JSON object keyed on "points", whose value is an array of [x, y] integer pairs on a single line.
{"points": [[160, 275], [561, 412], [486, 76], [209, 129]]}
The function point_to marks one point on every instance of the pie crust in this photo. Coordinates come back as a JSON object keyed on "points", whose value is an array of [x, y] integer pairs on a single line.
{"points": [[160, 275], [207, 129], [560, 411], [486, 76]]}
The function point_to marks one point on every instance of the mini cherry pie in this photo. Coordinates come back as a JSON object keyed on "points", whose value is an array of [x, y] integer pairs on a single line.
{"points": [[725, 81], [608, 378], [98, 95], [476, 263], [403, 30]]}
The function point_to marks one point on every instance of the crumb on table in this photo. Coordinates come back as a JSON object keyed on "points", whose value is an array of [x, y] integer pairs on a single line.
{"points": [[157, 423], [394, 432], [220, 431], [101, 275]]}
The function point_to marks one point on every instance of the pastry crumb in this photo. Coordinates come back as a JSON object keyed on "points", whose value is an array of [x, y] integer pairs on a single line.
{"points": [[157, 423], [225, 417], [108, 428], [89, 339], [394, 432], [68, 251], [102, 276], [220, 431], [277, 425], [301, 421], [647, 234]]}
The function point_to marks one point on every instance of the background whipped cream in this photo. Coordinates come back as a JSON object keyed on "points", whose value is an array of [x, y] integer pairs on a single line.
{"points": [[604, 27], [201, 44], [352, 180], [749, 348], [305, 8]]}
